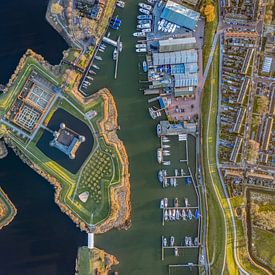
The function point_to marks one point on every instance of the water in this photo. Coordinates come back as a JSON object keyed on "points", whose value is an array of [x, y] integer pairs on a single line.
{"points": [[137, 249]]}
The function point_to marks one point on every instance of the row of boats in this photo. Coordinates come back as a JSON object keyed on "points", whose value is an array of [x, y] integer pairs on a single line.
{"points": [[115, 23], [164, 203], [179, 214], [187, 241], [166, 26]]}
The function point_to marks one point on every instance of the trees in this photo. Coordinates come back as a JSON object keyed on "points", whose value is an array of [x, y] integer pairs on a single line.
{"points": [[56, 8], [261, 104], [208, 10]]}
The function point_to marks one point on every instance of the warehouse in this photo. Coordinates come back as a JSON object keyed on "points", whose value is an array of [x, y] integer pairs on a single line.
{"points": [[171, 45], [186, 80], [179, 57], [180, 15]]}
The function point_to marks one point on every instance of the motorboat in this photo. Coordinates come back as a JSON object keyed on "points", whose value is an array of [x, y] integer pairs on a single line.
{"points": [[176, 251], [160, 176], [152, 2], [120, 4], [139, 34], [145, 6], [196, 241], [161, 204], [144, 17], [182, 172], [165, 202], [143, 26], [165, 182], [98, 57], [183, 214], [90, 78], [152, 113], [144, 11], [197, 215], [92, 72], [140, 46], [174, 28], [166, 163], [147, 30], [189, 214], [172, 241], [166, 215], [166, 153], [174, 214], [144, 21], [144, 65], [165, 139], [177, 214], [165, 146], [176, 172], [190, 241], [95, 66], [141, 50], [159, 155], [164, 242], [101, 50], [170, 214], [176, 202], [115, 54], [186, 242], [186, 202]]}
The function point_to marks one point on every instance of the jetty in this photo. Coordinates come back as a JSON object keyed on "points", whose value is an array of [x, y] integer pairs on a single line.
{"points": [[118, 46], [113, 42]]}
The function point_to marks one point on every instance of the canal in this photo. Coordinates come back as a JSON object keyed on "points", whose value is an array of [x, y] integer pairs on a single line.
{"points": [[137, 249]]}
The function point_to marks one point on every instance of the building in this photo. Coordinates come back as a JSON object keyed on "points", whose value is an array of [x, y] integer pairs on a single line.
{"points": [[267, 64], [67, 141], [179, 44], [167, 129], [180, 15]]}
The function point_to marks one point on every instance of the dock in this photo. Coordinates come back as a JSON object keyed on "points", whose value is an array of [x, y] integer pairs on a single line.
{"points": [[116, 66], [112, 42], [153, 99], [151, 92]]}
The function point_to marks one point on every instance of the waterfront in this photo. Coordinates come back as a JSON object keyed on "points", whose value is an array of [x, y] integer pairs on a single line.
{"points": [[137, 249]]}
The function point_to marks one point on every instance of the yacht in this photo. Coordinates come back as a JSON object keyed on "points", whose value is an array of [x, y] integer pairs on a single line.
{"points": [[144, 21], [139, 34], [183, 214], [186, 241], [140, 46], [161, 204], [115, 54], [166, 163], [95, 66], [176, 251], [120, 4], [147, 30], [143, 26], [170, 214], [144, 17], [165, 146], [141, 50], [197, 215], [160, 176], [164, 242], [144, 11], [165, 182], [174, 214], [176, 202], [196, 241], [159, 155], [176, 172], [145, 6], [172, 241], [189, 214], [152, 113]]}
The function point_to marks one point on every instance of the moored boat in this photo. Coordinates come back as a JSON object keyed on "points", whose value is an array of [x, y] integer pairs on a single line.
{"points": [[161, 204], [189, 214], [172, 241], [159, 155], [144, 11], [143, 26], [144, 66], [145, 17], [183, 214], [139, 34], [165, 202], [164, 242], [145, 6], [176, 202], [144, 21], [95, 66], [115, 54], [176, 251], [160, 176]]}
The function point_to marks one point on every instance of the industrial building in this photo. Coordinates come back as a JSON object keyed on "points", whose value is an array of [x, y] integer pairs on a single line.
{"points": [[180, 15], [186, 80], [179, 44]]}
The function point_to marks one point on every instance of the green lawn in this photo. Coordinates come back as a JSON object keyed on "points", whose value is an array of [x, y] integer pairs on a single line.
{"points": [[84, 263]]}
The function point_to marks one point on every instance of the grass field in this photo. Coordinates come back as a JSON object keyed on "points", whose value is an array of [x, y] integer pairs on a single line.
{"points": [[101, 169], [84, 263]]}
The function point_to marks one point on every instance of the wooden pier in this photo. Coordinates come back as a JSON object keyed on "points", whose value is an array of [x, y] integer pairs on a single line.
{"points": [[118, 50]]}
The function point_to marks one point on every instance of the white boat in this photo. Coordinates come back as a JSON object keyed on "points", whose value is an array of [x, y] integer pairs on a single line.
{"points": [[144, 21], [144, 17], [166, 215], [186, 241], [164, 242], [141, 50], [147, 30], [101, 50], [152, 113], [189, 214], [176, 252], [165, 202], [145, 6], [176, 172], [98, 57], [143, 26], [167, 163], [196, 241], [115, 54], [165, 182], [144, 11], [141, 46], [165, 139], [92, 72], [166, 153], [159, 155], [172, 241], [174, 28], [177, 214], [95, 66], [186, 202], [176, 202], [190, 241], [120, 4], [160, 176], [161, 204], [160, 24], [170, 214], [183, 214], [89, 77], [151, 2], [165, 146], [139, 34], [174, 214], [182, 172]]}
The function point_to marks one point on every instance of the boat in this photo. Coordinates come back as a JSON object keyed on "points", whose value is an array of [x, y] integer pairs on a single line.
{"points": [[165, 139], [176, 251], [167, 162], [152, 113], [161, 204], [183, 214], [196, 241], [159, 155], [176, 172], [144, 11], [89, 77], [95, 66], [190, 241], [186, 202], [92, 72], [145, 6], [186, 241], [101, 50], [120, 4], [174, 28], [98, 57], [164, 242], [165, 202], [165, 182], [174, 214], [144, 21], [189, 214], [144, 17], [143, 26], [172, 241], [177, 214], [114, 27], [141, 50], [197, 215], [166, 153], [176, 202], [166, 146], [116, 21], [160, 176], [182, 172], [170, 214], [151, 2], [141, 46], [115, 54], [139, 34], [166, 215], [147, 30], [144, 66]]}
